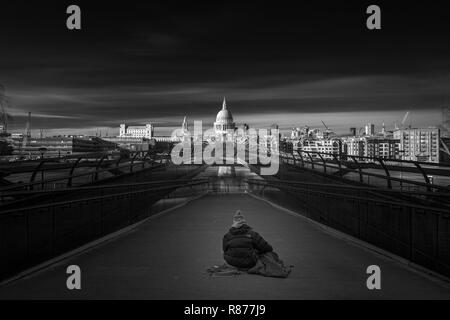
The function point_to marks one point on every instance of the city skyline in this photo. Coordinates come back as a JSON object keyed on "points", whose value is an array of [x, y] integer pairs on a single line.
{"points": [[340, 124], [283, 65]]}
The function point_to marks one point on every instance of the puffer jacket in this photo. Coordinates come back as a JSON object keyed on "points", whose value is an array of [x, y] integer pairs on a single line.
{"points": [[241, 247]]}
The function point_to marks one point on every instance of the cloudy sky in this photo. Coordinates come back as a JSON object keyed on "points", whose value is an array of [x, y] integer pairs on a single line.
{"points": [[138, 62]]}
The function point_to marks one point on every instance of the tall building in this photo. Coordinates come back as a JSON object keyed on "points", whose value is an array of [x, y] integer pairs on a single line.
{"points": [[383, 129], [356, 146], [61, 146], [295, 133], [370, 129], [386, 148], [136, 131], [329, 146], [419, 144], [378, 147], [224, 125]]}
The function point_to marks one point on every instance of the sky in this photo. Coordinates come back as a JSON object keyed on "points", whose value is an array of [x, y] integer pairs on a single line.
{"points": [[136, 62]]}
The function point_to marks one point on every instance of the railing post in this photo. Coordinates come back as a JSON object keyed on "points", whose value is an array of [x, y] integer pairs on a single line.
{"points": [[98, 167], [339, 164], [69, 181], [324, 163], [388, 175], [359, 169], [35, 171], [424, 174], [293, 158], [311, 158], [301, 158], [132, 161], [118, 161]]}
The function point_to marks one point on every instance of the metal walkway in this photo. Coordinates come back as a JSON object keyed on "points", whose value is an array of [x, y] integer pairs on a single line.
{"points": [[166, 258]]}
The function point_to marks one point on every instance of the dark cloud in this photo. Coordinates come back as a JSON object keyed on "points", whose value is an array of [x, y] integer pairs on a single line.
{"points": [[156, 61]]}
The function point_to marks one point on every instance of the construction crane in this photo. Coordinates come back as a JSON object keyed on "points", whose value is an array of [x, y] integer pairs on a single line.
{"points": [[443, 147], [404, 119], [327, 131], [359, 131]]}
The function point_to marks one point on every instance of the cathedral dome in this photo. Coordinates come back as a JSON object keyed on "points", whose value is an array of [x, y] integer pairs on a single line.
{"points": [[224, 115]]}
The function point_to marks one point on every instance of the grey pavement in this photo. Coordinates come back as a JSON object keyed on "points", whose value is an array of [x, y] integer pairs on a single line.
{"points": [[167, 257]]}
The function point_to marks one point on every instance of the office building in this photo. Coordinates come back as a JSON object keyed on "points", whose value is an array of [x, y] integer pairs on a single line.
{"points": [[136, 131], [419, 144]]}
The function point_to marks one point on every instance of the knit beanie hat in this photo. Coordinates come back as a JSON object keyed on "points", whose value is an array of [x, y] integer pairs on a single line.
{"points": [[238, 219]]}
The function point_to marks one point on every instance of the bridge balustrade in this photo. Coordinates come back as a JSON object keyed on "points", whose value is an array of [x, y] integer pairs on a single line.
{"points": [[31, 235], [374, 171], [101, 166], [419, 233]]}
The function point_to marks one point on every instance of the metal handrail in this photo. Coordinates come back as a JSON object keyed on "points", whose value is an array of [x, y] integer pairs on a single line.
{"points": [[385, 159], [350, 187], [77, 155], [439, 199], [421, 171], [97, 187], [341, 195], [71, 156], [69, 202], [31, 184]]}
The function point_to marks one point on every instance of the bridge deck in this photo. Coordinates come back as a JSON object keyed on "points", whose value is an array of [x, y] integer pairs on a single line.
{"points": [[166, 258]]}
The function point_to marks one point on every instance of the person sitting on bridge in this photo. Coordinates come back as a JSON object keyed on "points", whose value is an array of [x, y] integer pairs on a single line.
{"points": [[241, 245]]}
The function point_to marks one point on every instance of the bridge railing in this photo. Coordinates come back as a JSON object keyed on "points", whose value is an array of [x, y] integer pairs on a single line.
{"points": [[33, 234], [419, 233], [96, 190], [358, 168], [120, 166]]}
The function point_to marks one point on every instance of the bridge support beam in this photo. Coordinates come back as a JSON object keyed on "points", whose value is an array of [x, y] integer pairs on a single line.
{"points": [[301, 158], [324, 163], [388, 175], [35, 171], [118, 161], [311, 158], [99, 164], [293, 158], [359, 168], [72, 170], [424, 174], [339, 164], [132, 161]]}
